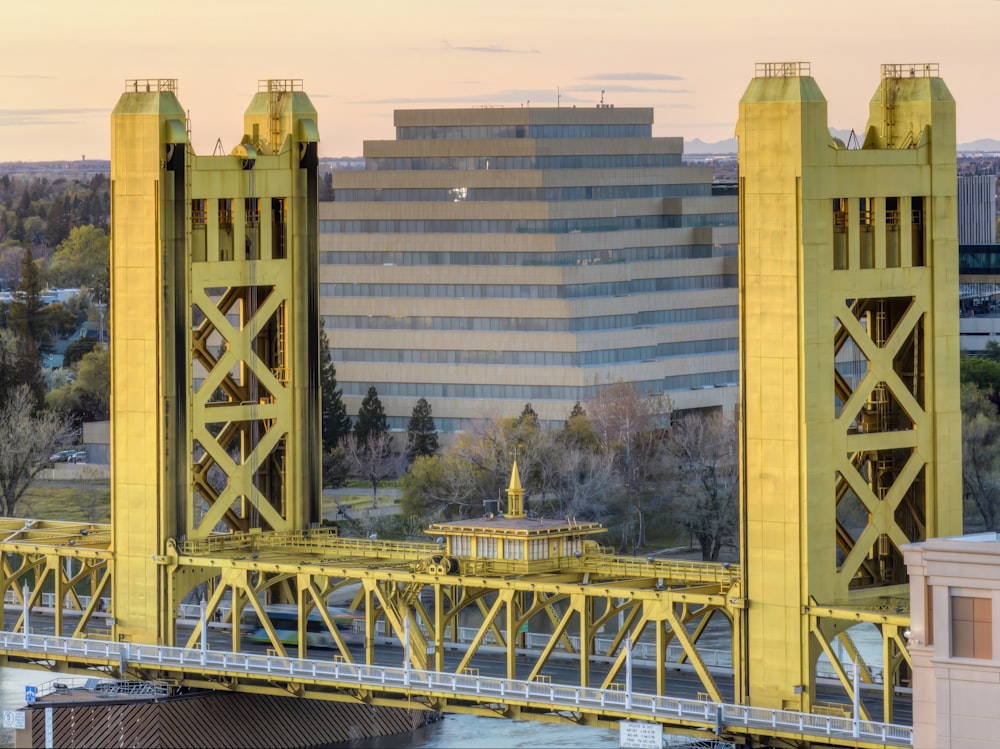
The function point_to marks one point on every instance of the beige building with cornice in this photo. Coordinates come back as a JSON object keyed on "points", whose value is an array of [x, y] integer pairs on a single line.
{"points": [[953, 641], [491, 257]]}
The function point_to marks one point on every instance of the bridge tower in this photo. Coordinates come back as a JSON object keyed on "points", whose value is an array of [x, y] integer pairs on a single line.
{"points": [[215, 373], [849, 342]]}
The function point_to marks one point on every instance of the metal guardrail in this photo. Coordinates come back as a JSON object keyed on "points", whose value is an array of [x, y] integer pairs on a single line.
{"points": [[712, 657], [104, 687], [325, 539], [482, 688]]}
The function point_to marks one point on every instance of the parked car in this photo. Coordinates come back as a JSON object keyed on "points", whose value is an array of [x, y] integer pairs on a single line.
{"points": [[79, 456], [63, 456]]}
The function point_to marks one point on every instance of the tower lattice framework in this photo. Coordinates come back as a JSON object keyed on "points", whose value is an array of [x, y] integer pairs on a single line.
{"points": [[215, 413], [849, 344]]}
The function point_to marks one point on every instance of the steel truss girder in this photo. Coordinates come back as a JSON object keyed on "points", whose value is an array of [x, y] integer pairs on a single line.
{"points": [[394, 595], [69, 560], [243, 409], [827, 625]]}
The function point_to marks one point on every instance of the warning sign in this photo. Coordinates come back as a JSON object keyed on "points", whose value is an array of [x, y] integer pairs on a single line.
{"points": [[636, 735]]}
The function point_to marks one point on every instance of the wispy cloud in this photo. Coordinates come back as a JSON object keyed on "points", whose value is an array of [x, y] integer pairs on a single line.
{"points": [[33, 117], [508, 96], [632, 77], [618, 89], [493, 49], [577, 94]]}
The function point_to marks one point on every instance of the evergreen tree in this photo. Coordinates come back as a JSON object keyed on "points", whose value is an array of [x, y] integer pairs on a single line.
{"points": [[421, 435], [577, 412], [528, 417], [371, 418], [57, 223], [334, 468], [27, 323], [336, 422], [578, 430]]}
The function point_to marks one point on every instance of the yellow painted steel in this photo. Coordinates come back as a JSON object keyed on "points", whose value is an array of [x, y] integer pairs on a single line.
{"points": [[849, 344], [215, 394], [69, 561], [850, 442]]}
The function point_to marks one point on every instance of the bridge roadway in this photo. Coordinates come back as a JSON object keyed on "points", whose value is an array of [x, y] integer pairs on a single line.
{"points": [[680, 679], [683, 712], [404, 686], [400, 586]]}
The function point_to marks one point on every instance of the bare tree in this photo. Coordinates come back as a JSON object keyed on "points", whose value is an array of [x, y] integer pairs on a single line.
{"points": [[629, 425], [702, 449], [577, 481], [489, 450], [27, 439], [441, 487], [372, 459], [470, 476]]}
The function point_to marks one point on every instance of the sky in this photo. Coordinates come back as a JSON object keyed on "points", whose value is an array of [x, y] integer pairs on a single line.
{"points": [[64, 64]]}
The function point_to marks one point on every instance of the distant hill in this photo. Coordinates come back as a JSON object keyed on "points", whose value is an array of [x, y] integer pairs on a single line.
{"points": [[698, 147], [82, 169], [983, 145]]}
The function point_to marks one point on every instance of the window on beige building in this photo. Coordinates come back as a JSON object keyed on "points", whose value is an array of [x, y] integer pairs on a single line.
{"points": [[971, 627]]}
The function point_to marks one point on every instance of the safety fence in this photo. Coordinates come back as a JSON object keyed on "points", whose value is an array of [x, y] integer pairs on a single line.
{"points": [[483, 689]]}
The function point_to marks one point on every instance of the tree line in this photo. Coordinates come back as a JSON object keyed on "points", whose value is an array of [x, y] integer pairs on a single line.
{"points": [[980, 377], [613, 461], [52, 234]]}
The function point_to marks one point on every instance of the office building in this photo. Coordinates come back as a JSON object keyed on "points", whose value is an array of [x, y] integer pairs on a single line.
{"points": [[977, 209], [487, 258]]}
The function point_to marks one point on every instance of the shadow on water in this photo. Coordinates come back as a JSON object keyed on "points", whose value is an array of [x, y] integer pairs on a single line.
{"points": [[463, 731]]}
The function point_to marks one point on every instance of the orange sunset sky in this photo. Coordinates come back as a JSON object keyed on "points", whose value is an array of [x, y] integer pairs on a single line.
{"points": [[64, 64]]}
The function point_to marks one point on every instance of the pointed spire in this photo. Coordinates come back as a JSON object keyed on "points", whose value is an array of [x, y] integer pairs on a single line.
{"points": [[515, 494]]}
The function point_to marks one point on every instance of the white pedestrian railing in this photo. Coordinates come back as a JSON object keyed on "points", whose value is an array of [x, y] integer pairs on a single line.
{"points": [[721, 716]]}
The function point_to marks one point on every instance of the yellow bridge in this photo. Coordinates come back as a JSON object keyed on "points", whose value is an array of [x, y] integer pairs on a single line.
{"points": [[848, 256]]}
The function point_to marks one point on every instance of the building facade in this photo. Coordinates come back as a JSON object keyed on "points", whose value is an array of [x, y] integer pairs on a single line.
{"points": [[488, 258], [977, 209], [955, 612]]}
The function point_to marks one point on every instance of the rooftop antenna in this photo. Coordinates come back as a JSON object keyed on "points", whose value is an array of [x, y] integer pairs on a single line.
{"points": [[602, 97], [558, 97]]}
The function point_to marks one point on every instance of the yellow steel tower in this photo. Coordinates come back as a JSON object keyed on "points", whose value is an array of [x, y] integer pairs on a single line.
{"points": [[215, 412], [849, 340]]}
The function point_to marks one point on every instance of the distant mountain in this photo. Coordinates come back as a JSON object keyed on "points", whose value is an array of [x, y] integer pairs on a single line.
{"points": [[983, 145], [698, 147]]}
